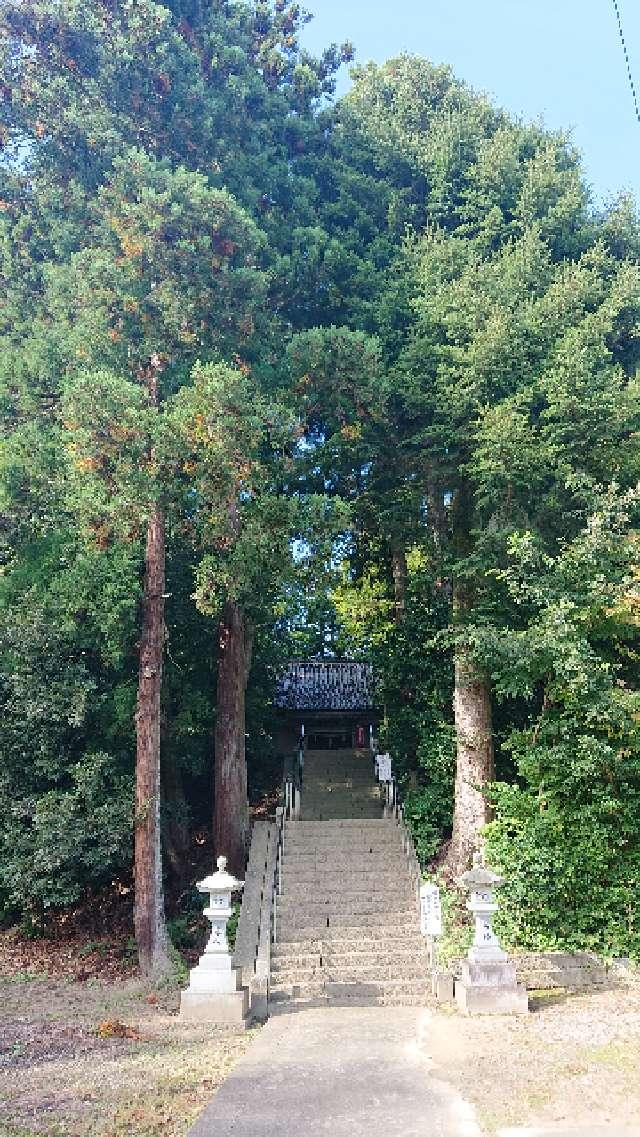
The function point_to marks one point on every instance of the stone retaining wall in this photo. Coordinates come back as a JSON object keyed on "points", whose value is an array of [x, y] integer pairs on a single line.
{"points": [[572, 970], [541, 971]]}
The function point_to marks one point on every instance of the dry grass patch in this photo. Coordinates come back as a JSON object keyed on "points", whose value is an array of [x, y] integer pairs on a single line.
{"points": [[574, 1060], [97, 1059]]}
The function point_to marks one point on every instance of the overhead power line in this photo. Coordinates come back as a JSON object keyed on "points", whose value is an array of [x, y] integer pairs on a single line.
{"points": [[634, 93]]}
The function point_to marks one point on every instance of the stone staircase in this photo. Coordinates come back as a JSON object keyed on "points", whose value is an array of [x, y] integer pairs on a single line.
{"points": [[347, 921], [339, 785]]}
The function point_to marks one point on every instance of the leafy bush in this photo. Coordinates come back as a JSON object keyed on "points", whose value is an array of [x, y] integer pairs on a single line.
{"points": [[566, 842], [66, 810], [565, 835], [58, 844], [428, 809]]}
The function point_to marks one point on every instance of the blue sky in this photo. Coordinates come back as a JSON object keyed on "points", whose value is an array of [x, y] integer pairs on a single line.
{"points": [[558, 60]]}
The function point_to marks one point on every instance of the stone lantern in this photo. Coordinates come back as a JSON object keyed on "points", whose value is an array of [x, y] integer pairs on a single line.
{"points": [[488, 985], [481, 884], [215, 993]]}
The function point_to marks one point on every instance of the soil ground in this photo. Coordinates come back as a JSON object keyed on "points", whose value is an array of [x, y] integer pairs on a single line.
{"points": [[86, 1050], [574, 1061]]}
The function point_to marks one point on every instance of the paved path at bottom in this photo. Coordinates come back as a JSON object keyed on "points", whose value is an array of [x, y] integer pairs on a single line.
{"points": [[338, 1072]]}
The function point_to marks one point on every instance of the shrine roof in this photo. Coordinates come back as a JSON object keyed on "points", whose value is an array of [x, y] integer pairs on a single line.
{"points": [[326, 685]]}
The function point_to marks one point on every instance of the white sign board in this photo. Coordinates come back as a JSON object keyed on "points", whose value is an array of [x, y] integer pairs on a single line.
{"points": [[430, 910], [383, 767]]}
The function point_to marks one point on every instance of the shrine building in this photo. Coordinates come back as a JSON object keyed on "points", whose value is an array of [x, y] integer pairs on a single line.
{"points": [[330, 703]]}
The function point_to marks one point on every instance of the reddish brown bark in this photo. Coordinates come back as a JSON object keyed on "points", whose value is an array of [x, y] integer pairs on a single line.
{"points": [[150, 930], [231, 807], [148, 913]]}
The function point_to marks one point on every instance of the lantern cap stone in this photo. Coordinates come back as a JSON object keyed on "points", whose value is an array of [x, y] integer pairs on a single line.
{"points": [[479, 876], [220, 881]]}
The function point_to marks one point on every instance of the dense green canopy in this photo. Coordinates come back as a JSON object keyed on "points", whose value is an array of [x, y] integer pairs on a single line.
{"points": [[375, 362]]}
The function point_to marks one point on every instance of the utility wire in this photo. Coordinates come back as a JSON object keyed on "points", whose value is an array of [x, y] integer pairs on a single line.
{"points": [[634, 93]]}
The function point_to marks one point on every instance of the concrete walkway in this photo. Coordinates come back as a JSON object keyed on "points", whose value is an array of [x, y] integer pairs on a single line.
{"points": [[613, 1130], [338, 1072]]}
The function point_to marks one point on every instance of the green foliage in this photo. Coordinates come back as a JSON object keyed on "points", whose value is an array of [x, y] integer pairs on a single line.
{"points": [[428, 808], [67, 820], [66, 840], [377, 361], [565, 835], [414, 686], [457, 925]]}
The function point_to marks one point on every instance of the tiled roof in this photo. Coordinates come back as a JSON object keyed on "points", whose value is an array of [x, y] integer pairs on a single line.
{"points": [[326, 685]]}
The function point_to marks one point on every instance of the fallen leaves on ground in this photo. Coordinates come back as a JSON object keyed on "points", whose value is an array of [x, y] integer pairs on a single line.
{"points": [[113, 1028]]}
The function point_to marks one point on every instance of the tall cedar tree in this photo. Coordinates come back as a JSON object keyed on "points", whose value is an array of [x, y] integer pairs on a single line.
{"points": [[220, 87], [167, 271]]}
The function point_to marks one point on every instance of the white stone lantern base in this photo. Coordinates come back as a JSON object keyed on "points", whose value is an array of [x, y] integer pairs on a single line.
{"points": [[490, 989], [215, 993], [230, 1008]]}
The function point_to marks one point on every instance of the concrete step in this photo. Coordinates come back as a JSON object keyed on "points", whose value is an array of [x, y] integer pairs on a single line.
{"points": [[339, 799], [341, 925], [339, 783], [376, 940], [350, 939], [382, 908], [339, 779], [346, 813], [320, 838], [396, 966], [346, 786], [312, 889], [352, 826], [391, 992], [356, 799], [315, 835], [390, 958], [317, 889], [339, 770], [335, 787], [331, 808], [420, 998], [358, 860], [369, 852], [385, 907], [354, 871], [342, 801], [356, 880], [327, 814], [342, 849], [323, 821], [336, 973], [369, 856]]}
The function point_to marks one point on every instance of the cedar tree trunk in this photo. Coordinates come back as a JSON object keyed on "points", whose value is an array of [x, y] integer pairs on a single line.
{"points": [[150, 929], [231, 806], [472, 710], [474, 761]]}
